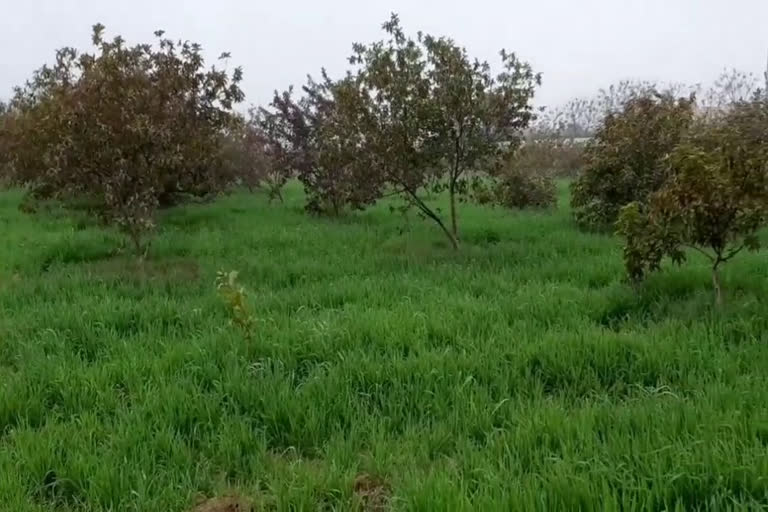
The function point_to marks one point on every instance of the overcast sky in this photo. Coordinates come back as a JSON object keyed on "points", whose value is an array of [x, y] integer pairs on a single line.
{"points": [[578, 45]]}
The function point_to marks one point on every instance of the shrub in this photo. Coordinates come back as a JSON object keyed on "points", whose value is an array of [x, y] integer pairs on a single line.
{"points": [[130, 129], [714, 201], [624, 162], [519, 189]]}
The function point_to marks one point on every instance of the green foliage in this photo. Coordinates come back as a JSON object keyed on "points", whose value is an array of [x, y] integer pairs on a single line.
{"points": [[715, 198], [625, 161], [132, 128]]}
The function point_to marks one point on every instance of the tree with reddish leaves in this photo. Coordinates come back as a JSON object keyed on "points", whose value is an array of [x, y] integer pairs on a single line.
{"points": [[319, 138], [413, 117], [129, 128]]}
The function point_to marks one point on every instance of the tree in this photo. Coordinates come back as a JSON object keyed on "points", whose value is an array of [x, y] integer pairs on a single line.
{"points": [[730, 88], [624, 162], [129, 128], [429, 116], [5, 143], [714, 200], [249, 157], [612, 99], [480, 118]]}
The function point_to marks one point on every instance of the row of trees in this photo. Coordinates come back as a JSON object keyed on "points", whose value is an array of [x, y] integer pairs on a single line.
{"points": [[127, 130], [412, 117]]}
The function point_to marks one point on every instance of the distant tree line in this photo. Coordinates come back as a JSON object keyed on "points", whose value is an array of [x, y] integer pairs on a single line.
{"points": [[131, 129]]}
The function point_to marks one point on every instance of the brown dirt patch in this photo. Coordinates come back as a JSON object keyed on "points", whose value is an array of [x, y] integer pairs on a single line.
{"points": [[374, 493], [225, 504]]}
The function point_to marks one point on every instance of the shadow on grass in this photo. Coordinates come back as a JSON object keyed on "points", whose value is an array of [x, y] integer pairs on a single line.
{"points": [[75, 251], [129, 268]]}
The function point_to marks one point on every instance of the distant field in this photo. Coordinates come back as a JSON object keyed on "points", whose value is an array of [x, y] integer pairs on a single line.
{"points": [[386, 371]]}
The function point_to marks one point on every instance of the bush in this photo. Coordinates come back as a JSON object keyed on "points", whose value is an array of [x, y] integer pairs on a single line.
{"points": [[714, 201], [130, 129], [519, 189], [624, 162]]}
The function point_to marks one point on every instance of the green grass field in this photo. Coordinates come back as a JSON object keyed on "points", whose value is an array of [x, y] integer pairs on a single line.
{"points": [[386, 371]]}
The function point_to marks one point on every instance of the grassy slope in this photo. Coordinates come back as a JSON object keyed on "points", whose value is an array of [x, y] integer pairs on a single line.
{"points": [[518, 374]]}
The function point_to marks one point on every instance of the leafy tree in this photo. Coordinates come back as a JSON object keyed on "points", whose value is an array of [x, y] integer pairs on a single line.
{"points": [[624, 162], [480, 118], [429, 116], [714, 201], [130, 128]]}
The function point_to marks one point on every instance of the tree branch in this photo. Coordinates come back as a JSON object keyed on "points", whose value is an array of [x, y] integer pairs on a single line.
{"points": [[733, 252]]}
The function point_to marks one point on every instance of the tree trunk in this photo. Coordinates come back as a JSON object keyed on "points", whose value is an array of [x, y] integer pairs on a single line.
{"points": [[429, 213], [136, 239], [432, 215], [717, 286], [454, 222], [454, 241]]}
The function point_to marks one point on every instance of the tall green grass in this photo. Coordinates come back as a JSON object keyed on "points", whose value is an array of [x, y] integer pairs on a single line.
{"points": [[519, 373]]}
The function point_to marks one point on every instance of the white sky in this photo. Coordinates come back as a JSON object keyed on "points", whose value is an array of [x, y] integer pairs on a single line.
{"points": [[579, 45]]}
